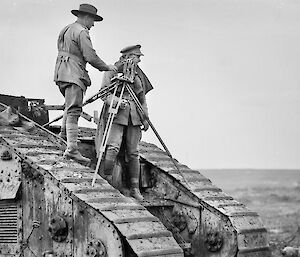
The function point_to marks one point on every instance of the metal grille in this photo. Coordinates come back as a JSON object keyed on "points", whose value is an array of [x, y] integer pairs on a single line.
{"points": [[8, 222]]}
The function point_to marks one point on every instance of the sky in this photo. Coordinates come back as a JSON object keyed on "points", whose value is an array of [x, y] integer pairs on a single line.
{"points": [[225, 72]]}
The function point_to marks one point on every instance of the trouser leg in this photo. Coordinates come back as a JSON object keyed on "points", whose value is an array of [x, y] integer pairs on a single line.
{"points": [[72, 133], [133, 137], [63, 130], [73, 108], [112, 149], [134, 173]]}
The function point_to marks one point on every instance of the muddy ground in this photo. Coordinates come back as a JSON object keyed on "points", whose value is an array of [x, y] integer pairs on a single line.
{"points": [[273, 194]]}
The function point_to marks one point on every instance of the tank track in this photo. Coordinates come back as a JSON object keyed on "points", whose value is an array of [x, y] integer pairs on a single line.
{"points": [[250, 235], [144, 234]]}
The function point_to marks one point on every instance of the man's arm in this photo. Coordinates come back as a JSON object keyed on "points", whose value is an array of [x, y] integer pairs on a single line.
{"points": [[89, 53], [142, 99], [145, 115], [106, 80], [107, 76]]}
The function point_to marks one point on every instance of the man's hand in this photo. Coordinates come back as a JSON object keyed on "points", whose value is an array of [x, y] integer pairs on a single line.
{"points": [[145, 125], [112, 68]]}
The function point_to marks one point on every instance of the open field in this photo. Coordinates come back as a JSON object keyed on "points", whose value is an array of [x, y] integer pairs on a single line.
{"points": [[273, 194]]}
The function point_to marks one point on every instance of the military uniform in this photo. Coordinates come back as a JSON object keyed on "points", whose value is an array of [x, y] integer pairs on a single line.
{"points": [[74, 51], [126, 127]]}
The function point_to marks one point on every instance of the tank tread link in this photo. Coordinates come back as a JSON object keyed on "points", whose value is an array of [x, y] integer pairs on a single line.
{"points": [[59, 213]]}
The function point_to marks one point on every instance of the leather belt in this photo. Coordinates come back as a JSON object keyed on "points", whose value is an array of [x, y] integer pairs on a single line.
{"points": [[72, 56]]}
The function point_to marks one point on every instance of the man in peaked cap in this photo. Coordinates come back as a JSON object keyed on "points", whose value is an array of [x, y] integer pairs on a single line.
{"points": [[74, 51], [127, 124], [135, 50]]}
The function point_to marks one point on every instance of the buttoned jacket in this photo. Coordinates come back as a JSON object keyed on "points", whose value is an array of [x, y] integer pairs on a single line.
{"points": [[129, 115], [75, 49]]}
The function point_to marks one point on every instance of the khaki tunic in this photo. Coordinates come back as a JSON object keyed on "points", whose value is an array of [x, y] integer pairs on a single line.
{"points": [[74, 51], [129, 115], [125, 117]]}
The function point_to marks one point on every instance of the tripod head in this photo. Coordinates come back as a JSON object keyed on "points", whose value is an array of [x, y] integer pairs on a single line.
{"points": [[129, 67]]}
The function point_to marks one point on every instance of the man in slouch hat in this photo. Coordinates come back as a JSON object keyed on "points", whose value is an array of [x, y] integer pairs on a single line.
{"points": [[127, 124], [74, 51]]}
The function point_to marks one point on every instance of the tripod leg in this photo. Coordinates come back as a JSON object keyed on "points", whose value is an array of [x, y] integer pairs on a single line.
{"points": [[103, 145], [112, 112], [142, 113]]}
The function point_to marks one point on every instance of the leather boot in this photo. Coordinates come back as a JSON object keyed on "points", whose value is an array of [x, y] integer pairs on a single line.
{"points": [[118, 178], [134, 172], [72, 148], [75, 155], [135, 193], [108, 166]]}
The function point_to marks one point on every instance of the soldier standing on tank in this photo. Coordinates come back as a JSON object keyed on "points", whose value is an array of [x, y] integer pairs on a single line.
{"points": [[74, 51], [127, 124]]}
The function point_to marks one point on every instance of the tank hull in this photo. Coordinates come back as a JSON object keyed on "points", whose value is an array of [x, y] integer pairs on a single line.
{"points": [[56, 211], [48, 206]]}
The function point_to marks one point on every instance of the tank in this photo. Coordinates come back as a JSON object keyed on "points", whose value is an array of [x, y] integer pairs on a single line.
{"points": [[48, 206]]}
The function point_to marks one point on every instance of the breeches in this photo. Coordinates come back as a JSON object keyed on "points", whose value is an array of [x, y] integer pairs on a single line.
{"points": [[132, 136], [73, 99]]}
